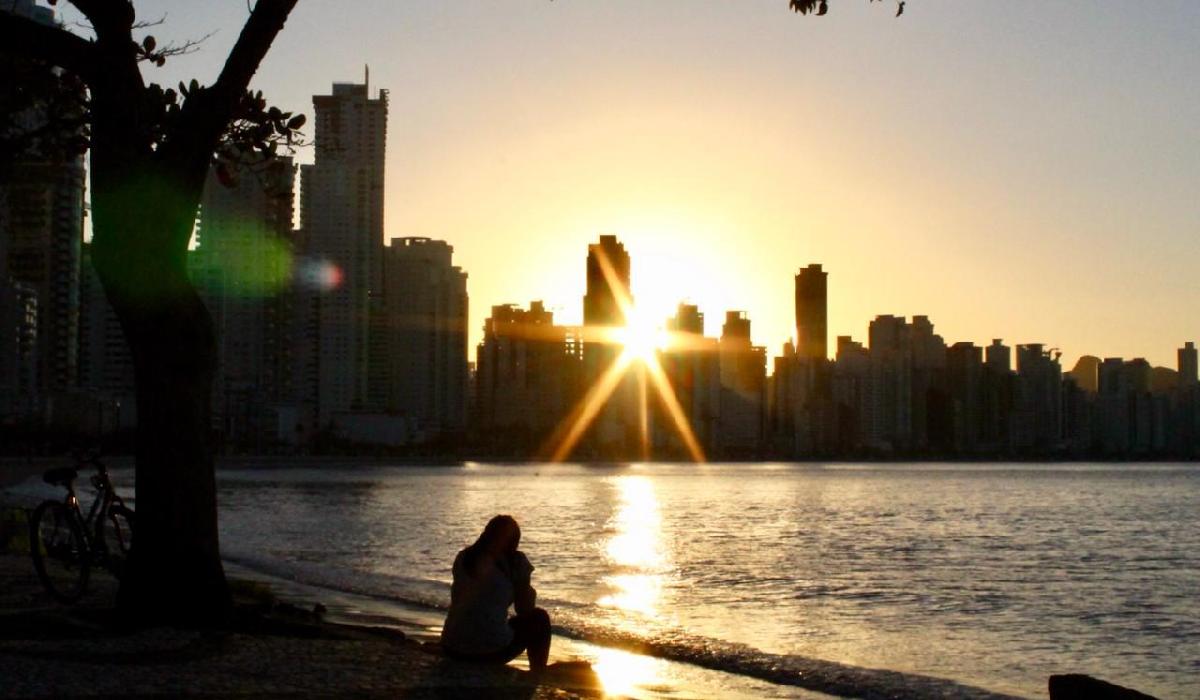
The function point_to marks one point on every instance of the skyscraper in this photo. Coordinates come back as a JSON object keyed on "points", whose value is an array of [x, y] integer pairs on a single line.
{"points": [[45, 232], [421, 369], [607, 283], [614, 430], [693, 368], [811, 313], [1038, 403], [688, 319], [342, 216], [964, 371], [1187, 364], [43, 196], [105, 363], [999, 356], [18, 348], [527, 377], [241, 266], [743, 382]]}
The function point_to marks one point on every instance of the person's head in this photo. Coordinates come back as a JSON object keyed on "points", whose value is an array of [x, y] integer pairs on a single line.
{"points": [[500, 537]]}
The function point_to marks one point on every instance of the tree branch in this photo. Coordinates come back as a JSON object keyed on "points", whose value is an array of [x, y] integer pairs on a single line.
{"points": [[113, 21], [207, 113], [25, 38], [256, 38], [111, 17]]}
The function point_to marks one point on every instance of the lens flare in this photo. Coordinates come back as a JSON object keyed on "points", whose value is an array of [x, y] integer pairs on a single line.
{"points": [[244, 267], [321, 275]]}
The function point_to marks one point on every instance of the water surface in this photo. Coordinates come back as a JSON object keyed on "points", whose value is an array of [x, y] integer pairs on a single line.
{"points": [[840, 578]]}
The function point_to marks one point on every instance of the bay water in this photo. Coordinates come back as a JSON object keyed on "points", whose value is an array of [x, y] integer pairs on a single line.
{"points": [[852, 579]]}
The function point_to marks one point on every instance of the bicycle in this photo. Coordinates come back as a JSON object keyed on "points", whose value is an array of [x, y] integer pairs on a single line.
{"points": [[65, 545]]}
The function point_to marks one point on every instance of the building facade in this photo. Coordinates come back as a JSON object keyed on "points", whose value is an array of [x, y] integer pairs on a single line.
{"points": [[342, 218], [812, 305], [243, 265], [419, 362]]}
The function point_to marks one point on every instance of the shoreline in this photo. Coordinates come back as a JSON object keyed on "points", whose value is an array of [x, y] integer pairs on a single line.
{"points": [[284, 585], [33, 464], [274, 648], [48, 649], [358, 644]]}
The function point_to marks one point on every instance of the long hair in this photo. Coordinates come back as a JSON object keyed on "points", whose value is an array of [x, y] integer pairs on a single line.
{"points": [[499, 538]]}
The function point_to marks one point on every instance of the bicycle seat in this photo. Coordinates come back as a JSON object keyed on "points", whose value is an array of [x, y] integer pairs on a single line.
{"points": [[60, 476]]}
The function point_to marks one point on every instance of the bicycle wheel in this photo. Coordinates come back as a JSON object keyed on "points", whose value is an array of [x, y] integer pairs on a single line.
{"points": [[60, 551], [116, 532]]}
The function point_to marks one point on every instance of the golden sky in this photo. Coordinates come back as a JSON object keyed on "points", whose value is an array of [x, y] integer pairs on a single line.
{"points": [[1018, 170]]}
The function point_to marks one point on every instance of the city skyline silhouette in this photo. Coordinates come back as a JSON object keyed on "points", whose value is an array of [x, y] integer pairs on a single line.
{"points": [[965, 161]]}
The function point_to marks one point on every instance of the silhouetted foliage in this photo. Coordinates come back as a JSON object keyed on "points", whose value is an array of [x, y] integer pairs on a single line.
{"points": [[820, 7]]}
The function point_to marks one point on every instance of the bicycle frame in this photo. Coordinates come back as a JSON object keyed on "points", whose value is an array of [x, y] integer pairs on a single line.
{"points": [[85, 542], [106, 498]]}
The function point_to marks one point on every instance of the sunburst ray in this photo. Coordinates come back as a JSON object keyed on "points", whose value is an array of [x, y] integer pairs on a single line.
{"points": [[569, 431]]}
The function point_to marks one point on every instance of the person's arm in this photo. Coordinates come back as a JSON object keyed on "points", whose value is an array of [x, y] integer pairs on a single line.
{"points": [[524, 594], [526, 600]]}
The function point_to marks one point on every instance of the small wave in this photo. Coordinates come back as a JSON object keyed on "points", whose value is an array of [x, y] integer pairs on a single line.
{"points": [[579, 621], [424, 593], [785, 669]]}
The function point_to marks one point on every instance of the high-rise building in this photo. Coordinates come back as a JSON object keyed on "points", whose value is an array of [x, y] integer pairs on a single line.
{"points": [[1038, 401], [242, 266], [688, 320], [616, 428], [29, 9], [421, 371], [527, 378], [692, 365], [43, 229], [341, 210], [964, 370], [999, 356], [890, 423], [851, 391], [105, 363], [608, 274], [743, 385], [1084, 373], [18, 349], [45, 232], [811, 313], [1187, 365]]}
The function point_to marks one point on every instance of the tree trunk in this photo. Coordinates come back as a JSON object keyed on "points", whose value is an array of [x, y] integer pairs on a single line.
{"points": [[174, 573]]}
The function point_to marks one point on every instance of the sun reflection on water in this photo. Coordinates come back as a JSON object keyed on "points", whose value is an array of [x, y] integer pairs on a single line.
{"points": [[622, 673], [635, 550]]}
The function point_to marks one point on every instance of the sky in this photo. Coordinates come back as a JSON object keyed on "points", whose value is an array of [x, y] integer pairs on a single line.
{"points": [[1019, 170]]}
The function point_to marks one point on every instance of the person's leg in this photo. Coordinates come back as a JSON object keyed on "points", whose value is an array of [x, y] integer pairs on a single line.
{"points": [[533, 631]]}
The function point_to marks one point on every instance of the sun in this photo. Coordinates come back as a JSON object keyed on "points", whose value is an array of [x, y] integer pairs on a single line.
{"points": [[640, 338]]}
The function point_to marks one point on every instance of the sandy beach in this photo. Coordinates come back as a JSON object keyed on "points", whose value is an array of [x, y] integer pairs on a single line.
{"points": [[49, 650], [274, 649]]}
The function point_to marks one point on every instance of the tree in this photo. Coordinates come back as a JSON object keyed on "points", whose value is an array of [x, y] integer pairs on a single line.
{"points": [[151, 149]]}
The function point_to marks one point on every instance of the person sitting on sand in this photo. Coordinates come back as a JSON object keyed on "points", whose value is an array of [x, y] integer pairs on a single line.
{"points": [[489, 576]]}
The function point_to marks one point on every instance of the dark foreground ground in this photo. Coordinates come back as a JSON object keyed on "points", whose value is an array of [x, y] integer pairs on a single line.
{"points": [[277, 650]]}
